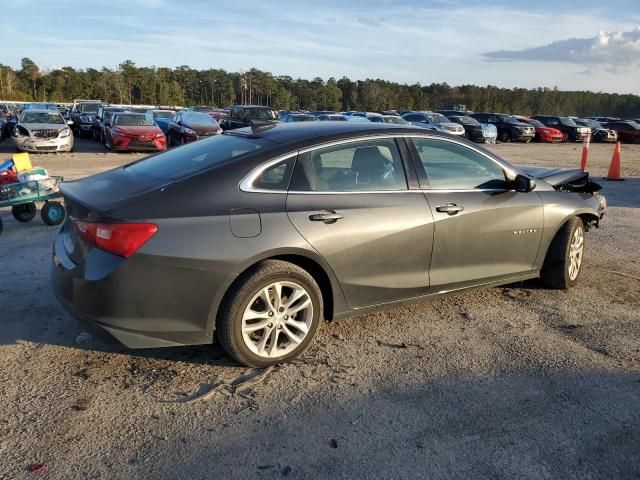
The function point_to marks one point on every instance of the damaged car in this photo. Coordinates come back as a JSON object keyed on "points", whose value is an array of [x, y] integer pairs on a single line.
{"points": [[42, 131], [257, 235]]}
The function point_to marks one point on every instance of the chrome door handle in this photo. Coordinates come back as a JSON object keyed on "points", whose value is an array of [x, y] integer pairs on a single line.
{"points": [[450, 208], [326, 217]]}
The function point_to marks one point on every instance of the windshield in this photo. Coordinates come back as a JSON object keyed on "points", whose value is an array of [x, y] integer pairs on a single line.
{"points": [[157, 115], [132, 120], [197, 156], [89, 107], [202, 109], [42, 117], [375, 118], [567, 122], [396, 120], [508, 119], [437, 118], [537, 123], [302, 118], [261, 113], [197, 118], [467, 121], [590, 123]]}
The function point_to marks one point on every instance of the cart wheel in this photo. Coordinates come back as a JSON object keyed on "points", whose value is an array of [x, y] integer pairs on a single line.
{"points": [[24, 212], [52, 213]]}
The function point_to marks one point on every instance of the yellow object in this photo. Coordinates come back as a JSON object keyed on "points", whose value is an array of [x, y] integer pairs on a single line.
{"points": [[21, 162]]}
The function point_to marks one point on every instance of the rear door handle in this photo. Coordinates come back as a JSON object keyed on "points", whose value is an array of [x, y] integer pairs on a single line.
{"points": [[450, 208], [327, 216]]}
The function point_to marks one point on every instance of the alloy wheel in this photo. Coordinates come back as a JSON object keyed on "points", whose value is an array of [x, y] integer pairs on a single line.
{"points": [[277, 319], [576, 249]]}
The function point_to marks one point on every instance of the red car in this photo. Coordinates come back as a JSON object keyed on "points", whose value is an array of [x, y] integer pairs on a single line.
{"points": [[133, 132], [544, 134], [628, 130]]}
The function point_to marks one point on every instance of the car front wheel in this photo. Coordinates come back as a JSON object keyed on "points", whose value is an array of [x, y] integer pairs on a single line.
{"points": [[564, 258], [271, 315]]}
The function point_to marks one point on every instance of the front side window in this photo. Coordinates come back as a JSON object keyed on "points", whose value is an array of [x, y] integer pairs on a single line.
{"points": [[366, 165], [451, 166]]}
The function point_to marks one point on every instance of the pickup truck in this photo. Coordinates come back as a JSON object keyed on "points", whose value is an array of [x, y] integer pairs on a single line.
{"points": [[82, 113]]}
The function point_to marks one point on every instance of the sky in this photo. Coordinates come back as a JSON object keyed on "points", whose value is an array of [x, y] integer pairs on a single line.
{"points": [[574, 45]]}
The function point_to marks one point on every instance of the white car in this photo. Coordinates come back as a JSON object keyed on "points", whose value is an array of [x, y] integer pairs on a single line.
{"points": [[42, 131]]}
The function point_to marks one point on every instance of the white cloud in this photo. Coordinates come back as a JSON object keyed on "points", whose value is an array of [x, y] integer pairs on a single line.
{"points": [[618, 49]]}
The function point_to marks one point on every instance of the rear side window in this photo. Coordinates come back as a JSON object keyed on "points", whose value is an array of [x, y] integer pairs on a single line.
{"points": [[367, 165], [275, 177], [197, 156], [451, 166]]}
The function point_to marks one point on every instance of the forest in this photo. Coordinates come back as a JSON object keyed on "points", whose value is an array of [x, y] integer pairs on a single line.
{"points": [[184, 86]]}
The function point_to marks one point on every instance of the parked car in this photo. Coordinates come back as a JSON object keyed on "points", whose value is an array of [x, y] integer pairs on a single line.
{"points": [[334, 117], [509, 129], [394, 119], [598, 132], [128, 131], [82, 113], [628, 131], [162, 118], [42, 131], [247, 116], [189, 126], [102, 117], [544, 134], [433, 121], [257, 235], [298, 117], [572, 132], [454, 113], [472, 128], [604, 119]]}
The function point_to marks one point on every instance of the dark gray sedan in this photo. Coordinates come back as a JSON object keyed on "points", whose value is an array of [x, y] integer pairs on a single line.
{"points": [[257, 235]]}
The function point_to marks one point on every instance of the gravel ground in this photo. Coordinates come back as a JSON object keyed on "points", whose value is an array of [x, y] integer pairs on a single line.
{"points": [[511, 382]]}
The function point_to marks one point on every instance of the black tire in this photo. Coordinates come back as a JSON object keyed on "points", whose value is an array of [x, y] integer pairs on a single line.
{"points": [[24, 212], [52, 213], [229, 321], [555, 270], [504, 137]]}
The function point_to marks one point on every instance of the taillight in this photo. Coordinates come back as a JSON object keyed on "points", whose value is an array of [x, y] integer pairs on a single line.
{"points": [[122, 239]]}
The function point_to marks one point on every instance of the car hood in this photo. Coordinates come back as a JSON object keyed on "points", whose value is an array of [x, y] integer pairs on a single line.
{"points": [[203, 128], [572, 179], [43, 126], [150, 130]]}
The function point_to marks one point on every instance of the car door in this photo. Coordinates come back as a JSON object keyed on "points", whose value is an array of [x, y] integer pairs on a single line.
{"points": [[483, 229], [352, 204]]}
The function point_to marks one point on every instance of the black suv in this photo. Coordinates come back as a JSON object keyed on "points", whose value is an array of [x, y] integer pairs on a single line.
{"points": [[82, 114], [248, 116], [509, 128], [572, 132]]}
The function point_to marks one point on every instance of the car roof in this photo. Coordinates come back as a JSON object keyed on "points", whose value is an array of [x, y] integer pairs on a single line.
{"points": [[42, 110], [309, 131]]}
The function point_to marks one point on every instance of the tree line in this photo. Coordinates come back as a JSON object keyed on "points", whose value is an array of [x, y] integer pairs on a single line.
{"points": [[130, 84]]}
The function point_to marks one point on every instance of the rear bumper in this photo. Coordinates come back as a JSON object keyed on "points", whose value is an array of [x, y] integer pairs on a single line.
{"points": [[143, 302]]}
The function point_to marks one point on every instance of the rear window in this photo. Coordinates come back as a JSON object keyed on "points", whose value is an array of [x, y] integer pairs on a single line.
{"points": [[197, 156]]}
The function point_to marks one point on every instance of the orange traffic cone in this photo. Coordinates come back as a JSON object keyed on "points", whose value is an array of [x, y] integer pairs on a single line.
{"points": [[585, 152], [614, 168]]}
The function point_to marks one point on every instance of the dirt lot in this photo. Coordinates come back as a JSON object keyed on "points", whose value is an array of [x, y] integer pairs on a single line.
{"points": [[513, 382]]}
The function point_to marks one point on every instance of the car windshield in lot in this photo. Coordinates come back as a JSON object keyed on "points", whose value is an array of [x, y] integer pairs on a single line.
{"points": [[395, 120], [132, 120], [197, 156], [41, 117], [198, 118], [89, 107], [567, 122], [437, 118], [508, 119], [464, 120], [537, 123], [163, 115]]}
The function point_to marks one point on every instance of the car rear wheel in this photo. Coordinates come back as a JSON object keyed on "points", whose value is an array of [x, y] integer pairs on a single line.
{"points": [[564, 258], [24, 212], [271, 315]]}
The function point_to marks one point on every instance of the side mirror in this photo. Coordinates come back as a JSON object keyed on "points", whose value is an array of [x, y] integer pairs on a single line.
{"points": [[524, 184]]}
